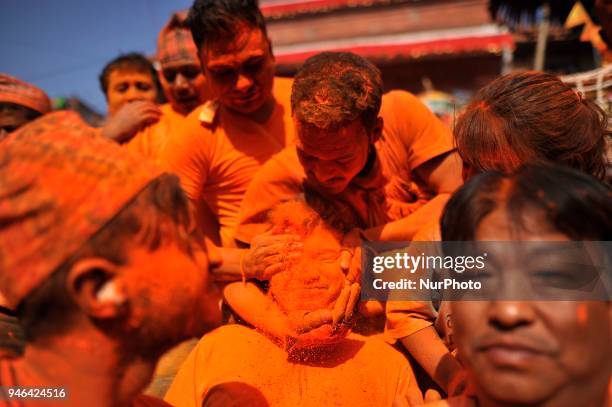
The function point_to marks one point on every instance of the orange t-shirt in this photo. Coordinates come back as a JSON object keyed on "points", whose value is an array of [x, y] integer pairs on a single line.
{"points": [[217, 159], [151, 140], [412, 135], [359, 371]]}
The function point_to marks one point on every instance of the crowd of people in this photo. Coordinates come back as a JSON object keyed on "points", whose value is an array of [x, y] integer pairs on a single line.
{"points": [[204, 246]]}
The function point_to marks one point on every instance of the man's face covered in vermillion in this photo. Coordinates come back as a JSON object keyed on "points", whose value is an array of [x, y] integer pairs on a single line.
{"points": [[240, 70], [533, 352], [314, 281], [332, 157]]}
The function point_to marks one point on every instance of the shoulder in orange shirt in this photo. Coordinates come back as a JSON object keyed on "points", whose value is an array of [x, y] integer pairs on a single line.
{"points": [[151, 140], [217, 161]]}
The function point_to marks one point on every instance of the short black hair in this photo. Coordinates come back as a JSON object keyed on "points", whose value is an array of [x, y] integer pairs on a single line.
{"points": [[332, 89], [573, 202], [133, 61], [211, 20]]}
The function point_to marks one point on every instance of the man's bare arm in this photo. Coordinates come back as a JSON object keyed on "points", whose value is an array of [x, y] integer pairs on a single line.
{"points": [[442, 175], [429, 351]]}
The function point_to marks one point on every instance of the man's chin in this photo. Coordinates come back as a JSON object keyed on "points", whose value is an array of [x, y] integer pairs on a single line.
{"points": [[515, 388], [332, 189], [246, 107], [319, 337]]}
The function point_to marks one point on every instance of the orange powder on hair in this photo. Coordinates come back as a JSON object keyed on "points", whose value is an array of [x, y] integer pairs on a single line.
{"points": [[483, 105]]}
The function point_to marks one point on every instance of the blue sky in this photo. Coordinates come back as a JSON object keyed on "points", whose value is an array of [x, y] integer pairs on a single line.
{"points": [[62, 45]]}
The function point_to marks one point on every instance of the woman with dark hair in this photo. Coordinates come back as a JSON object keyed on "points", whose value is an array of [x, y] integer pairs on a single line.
{"points": [[548, 350], [531, 117]]}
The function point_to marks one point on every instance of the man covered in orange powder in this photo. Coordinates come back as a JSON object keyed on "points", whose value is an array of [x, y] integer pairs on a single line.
{"points": [[20, 103], [183, 84], [98, 260], [385, 160], [222, 144], [323, 366]]}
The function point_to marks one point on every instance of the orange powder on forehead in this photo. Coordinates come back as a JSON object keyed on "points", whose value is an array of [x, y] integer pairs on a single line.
{"points": [[582, 314], [335, 139], [328, 142]]}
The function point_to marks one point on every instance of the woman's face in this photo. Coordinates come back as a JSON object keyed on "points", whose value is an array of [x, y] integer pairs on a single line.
{"points": [[554, 352]]}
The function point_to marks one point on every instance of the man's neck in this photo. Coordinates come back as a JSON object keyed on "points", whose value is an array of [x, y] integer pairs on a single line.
{"points": [[369, 165], [91, 369], [262, 114]]}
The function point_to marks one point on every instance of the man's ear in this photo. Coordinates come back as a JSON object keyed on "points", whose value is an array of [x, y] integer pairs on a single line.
{"points": [[94, 287], [377, 129]]}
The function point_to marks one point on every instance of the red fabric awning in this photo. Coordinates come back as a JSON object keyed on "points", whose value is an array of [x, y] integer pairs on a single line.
{"points": [[283, 9], [409, 49]]}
